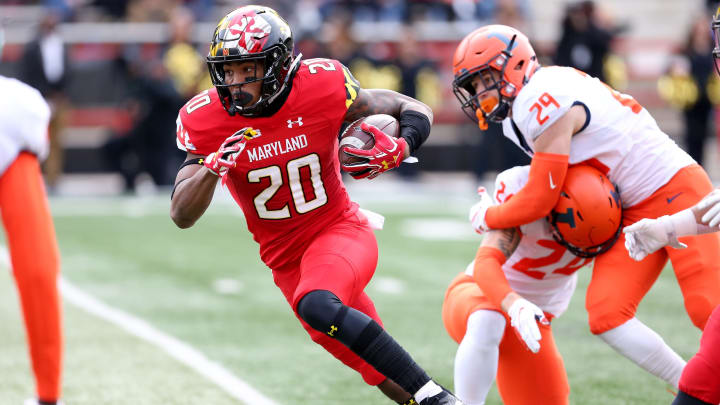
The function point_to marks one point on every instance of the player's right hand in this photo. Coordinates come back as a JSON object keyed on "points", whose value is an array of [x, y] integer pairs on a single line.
{"points": [[477, 211], [710, 202], [524, 316], [648, 235], [224, 159]]}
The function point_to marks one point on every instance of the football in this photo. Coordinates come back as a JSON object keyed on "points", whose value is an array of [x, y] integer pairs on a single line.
{"points": [[357, 138]]}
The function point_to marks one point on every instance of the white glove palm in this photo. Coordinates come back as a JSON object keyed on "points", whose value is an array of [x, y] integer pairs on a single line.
{"points": [[648, 235], [524, 316], [712, 216], [477, 211]]}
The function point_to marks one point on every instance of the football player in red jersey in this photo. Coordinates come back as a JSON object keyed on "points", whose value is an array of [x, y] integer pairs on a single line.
{"points": [[700, 380], [34, 255], [269, 129]]}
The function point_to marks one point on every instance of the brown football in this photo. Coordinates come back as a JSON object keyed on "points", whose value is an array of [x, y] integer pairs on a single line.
{"points": [[357, 138]]}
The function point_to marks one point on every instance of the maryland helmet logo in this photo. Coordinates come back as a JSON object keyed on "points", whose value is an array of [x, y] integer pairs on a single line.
{"points": [[248, 33]]}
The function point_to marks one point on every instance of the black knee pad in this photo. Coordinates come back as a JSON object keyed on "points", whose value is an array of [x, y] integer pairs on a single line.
{"points": [[324, 312], [319, 308]]}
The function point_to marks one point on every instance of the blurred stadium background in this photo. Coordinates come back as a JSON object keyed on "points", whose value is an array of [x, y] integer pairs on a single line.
{"points": [[116, 73]]}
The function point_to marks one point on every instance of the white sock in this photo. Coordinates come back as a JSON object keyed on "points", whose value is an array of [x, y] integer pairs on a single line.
{"points": [[476, 359], [427, 390], [647, 349]]}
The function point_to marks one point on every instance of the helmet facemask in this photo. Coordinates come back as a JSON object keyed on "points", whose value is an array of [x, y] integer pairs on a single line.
{"points": [[275, 70]]}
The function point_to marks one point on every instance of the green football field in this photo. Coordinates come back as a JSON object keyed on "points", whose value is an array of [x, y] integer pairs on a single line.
{"points": [[158, 315]]}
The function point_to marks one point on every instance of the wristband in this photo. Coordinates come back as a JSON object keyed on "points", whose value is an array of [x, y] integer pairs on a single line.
{"points": [[415, 128]]}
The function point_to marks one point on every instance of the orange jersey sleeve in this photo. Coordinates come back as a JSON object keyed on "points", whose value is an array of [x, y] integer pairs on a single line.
{"points": [[537, 198]]}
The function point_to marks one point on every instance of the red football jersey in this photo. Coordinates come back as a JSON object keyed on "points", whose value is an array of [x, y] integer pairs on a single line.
{"points": [[287, 180]]}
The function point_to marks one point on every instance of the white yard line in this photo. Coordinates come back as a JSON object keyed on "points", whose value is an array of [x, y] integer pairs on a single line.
{"points": [[181, 351]]}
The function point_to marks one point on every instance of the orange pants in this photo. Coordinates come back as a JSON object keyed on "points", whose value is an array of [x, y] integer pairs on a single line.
{"points": [[35, 261], [619, 283], [523, 377]]}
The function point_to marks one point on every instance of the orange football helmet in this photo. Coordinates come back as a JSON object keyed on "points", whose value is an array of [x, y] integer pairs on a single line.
{"points": [[588, 216], [502, 49]]}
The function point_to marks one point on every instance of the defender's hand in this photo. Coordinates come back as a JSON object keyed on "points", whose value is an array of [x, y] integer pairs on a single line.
{"points": [[648, 235], [224, 159], [711, 202], [386, 154], [477, 211], [524, 316]]}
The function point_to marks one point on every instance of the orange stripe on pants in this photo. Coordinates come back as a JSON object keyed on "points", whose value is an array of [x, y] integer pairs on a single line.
{"points": [[619, 283], [35, 262]]}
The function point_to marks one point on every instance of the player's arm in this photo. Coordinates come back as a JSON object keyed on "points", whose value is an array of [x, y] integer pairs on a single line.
{"points": [[495, 249], [193, 191], [548, 168], [414, 116]]}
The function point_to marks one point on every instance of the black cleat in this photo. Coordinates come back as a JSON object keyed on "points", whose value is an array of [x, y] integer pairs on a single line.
{"points": [[443, 398]]}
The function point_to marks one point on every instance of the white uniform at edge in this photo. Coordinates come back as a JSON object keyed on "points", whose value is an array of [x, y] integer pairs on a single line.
{"points": [[640, 157], [549, 290], [24, 117]]}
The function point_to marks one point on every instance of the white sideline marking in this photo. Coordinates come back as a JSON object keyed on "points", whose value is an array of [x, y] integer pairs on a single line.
{"points": [[177, 349], [181, 351]]}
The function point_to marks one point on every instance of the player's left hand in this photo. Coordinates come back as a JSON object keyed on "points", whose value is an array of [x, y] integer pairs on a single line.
{"points": [[386, 154], [710, 202], [648, 235], [224, 159], [524, 316], [477, 211]]}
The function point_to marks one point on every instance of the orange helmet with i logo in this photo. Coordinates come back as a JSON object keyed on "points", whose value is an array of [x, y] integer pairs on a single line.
{"points": [[498, 52]]}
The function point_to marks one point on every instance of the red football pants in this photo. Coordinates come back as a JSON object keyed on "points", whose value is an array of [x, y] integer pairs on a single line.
{"points": [[619, 283], [523, 377], [341, 260], [701, 376], [35, 261]]}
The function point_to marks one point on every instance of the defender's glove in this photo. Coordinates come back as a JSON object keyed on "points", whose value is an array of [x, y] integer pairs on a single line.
{"points": [[648, 235], [224, 159], [524, 316], [386, 154], [477, 211], [712, 201]]}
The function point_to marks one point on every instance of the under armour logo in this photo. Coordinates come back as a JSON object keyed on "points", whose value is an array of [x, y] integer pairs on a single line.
{"points": [[298, 121], [385, 164], [332, 331]]}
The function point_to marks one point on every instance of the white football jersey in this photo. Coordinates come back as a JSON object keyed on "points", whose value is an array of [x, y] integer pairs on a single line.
{"points": [[24, 119], [540, 269], [619, 138]]}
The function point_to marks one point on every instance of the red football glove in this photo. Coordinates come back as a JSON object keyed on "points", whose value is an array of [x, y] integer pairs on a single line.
{"points": [[224, 159], [387, 154]]}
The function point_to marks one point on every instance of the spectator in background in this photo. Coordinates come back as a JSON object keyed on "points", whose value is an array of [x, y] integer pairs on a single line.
{"points": [[44, 66], [586, 37], [181, 60], [418, 79], [697, 114], [153, 101]]}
